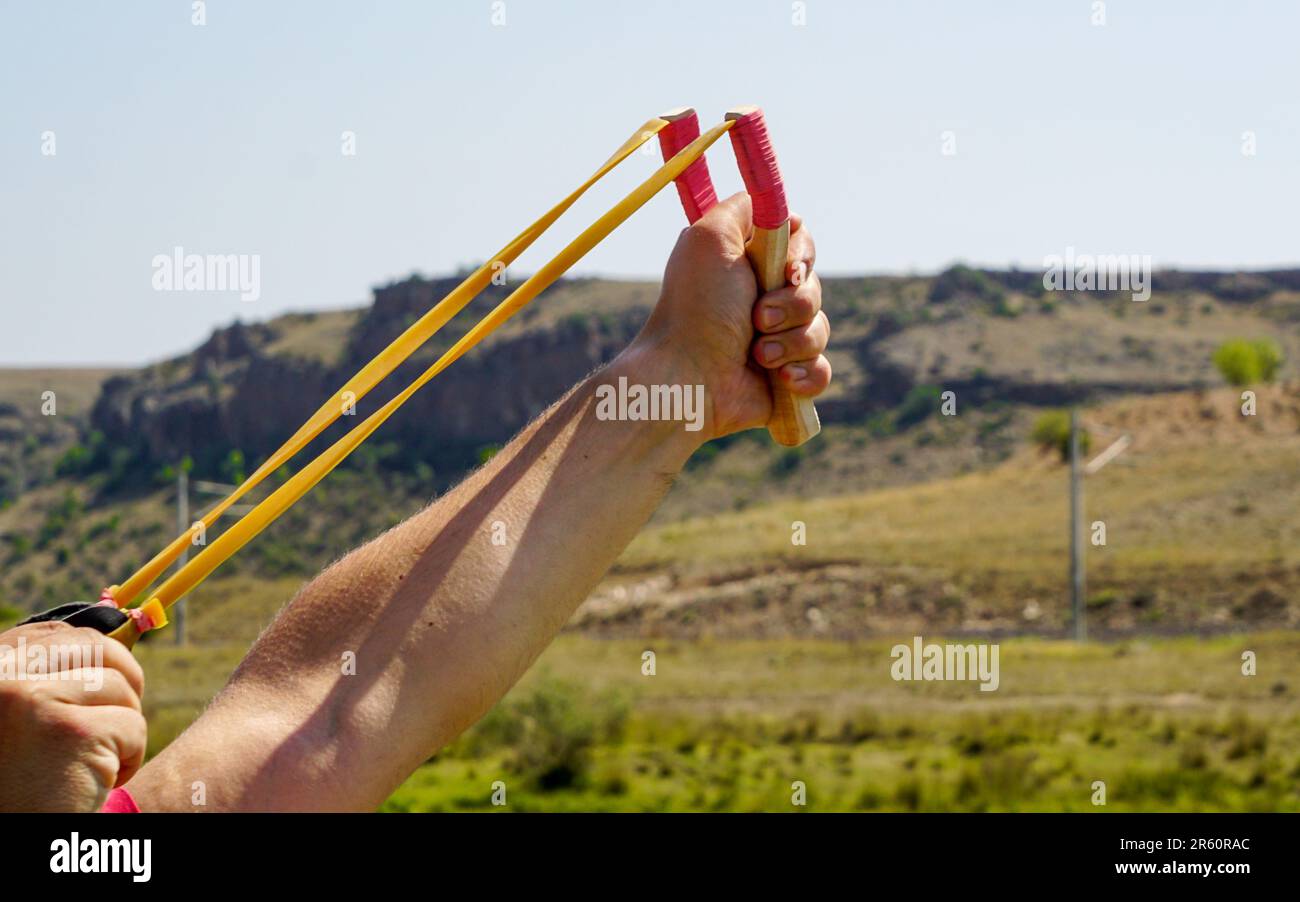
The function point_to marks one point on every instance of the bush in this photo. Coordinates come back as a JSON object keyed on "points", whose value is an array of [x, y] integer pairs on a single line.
{"points": [[921, 401], [551, 732], [1270, 359], [1242, 286], [1103, 599], [1244, 362], [232, 468], [1004, 307], [123, 468], [1052, 430], [961, 280], [787, 461], [73, 461], [58, 518], [19, 546]]}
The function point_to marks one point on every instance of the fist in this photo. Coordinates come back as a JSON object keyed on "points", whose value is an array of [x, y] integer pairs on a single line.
{"points": [[71, 726], [719, 332]]}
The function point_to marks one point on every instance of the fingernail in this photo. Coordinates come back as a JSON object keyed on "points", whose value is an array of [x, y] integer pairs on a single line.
{"points": [[771, 351], [773, 316], [796, 373]]}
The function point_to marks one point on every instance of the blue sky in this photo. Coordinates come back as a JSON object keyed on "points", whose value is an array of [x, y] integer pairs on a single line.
{"points": [[225, 138]]}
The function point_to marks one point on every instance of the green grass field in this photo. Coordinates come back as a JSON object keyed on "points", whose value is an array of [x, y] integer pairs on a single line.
{"points": [[1166, 724]]}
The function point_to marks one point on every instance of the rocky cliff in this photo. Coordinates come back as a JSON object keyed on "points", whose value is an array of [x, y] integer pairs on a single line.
{"points": [[990, 336]]}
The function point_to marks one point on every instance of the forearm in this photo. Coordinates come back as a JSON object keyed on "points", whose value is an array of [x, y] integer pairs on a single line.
{"points": [[442, 613], [401, 645]]}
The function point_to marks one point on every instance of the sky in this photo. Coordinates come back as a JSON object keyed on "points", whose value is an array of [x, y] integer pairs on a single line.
{"points": [[911, 135]]}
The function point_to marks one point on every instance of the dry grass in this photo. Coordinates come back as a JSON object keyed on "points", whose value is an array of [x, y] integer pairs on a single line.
{"points": [[1163, 501], [318, 337], [75, 387]]}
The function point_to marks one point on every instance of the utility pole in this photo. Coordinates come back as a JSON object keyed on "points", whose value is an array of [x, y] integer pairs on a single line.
{"points": [[1076, 530], [182, 528]]}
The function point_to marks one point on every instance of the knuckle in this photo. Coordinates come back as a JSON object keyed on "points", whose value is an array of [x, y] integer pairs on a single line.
{"points": [[136, 675], [126, 690], [139, 727], [61, 724], [86, 635], [707, 236], [39, 632], [82, 637], [114, 680], [805, 303]]}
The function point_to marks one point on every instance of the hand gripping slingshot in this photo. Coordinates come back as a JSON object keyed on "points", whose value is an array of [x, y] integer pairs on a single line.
{"points": [[794, 420]]}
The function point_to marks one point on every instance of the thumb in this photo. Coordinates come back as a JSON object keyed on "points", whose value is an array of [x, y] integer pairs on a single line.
{"points": [[731, 220]]}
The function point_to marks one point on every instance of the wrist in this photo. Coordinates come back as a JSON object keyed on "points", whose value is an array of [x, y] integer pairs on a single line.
{"points": [[656, 400]]}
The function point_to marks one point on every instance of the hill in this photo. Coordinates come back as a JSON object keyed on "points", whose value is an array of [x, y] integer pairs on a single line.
{"points": [[86, 495], [1201, 534]]}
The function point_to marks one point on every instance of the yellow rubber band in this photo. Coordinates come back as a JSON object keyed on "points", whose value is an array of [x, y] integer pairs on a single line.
{"points": [[382, 365], [301, 482]]}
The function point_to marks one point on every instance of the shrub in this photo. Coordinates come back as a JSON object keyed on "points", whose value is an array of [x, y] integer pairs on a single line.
{"points": [[921, 401], [551, 732], [1270, 358], [19, 546], [232, 468], [1103, 599], [58, 518], [1242, 286], [1004, 307], [963, 280], [880, 425], [123, 468], [1244, 362], [1052, 430], [787, 461], [73, 461]]}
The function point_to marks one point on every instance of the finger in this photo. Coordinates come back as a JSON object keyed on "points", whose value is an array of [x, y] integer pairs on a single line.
{"points": [[806, 378], [94, 687], [785, 308], [801, 255], [120, 737], [43, 634], [116, 656], [800, 343], [67, 647]]}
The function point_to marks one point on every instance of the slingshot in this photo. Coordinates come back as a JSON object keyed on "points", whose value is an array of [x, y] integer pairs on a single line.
{"points": [[794, 420]]}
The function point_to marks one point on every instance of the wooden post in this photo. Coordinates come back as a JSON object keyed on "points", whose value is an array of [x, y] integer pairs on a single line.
{"points": [[182, 527], [1076, 531]]}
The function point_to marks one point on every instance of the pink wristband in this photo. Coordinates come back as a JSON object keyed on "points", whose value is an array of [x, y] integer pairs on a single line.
{"points": [[119, 802]]}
